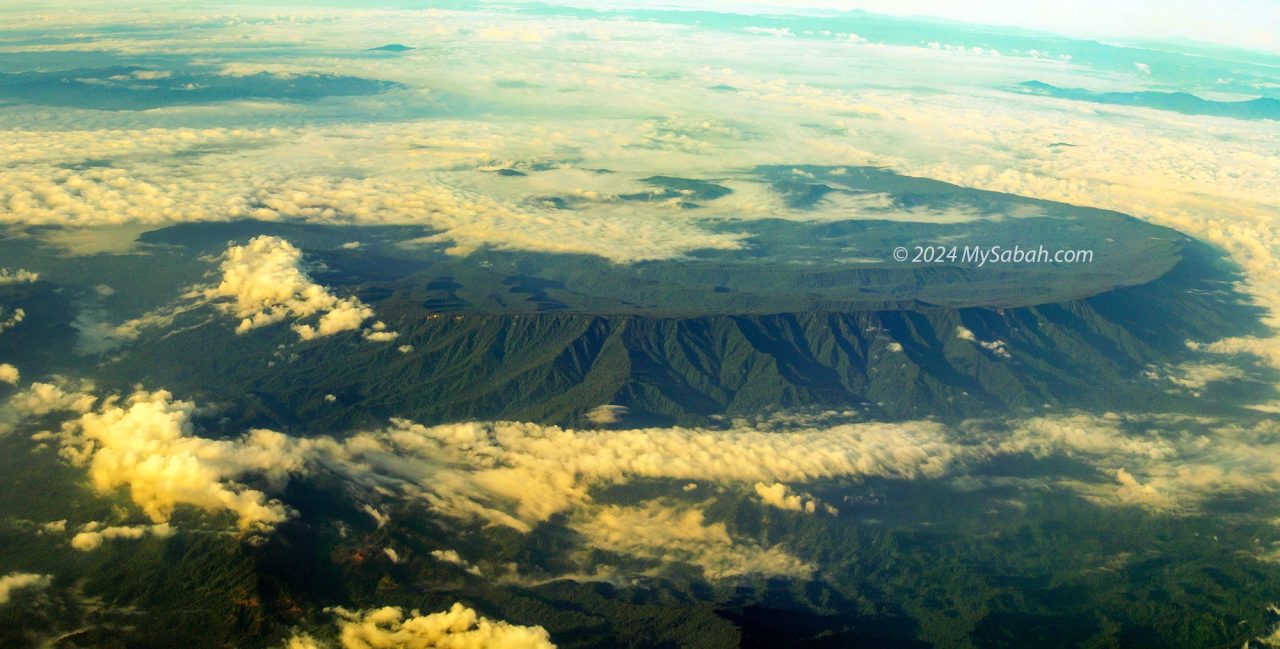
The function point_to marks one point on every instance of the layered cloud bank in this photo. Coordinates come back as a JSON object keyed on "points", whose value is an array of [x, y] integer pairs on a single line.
{"points": [[521, 475], [258, 175], [932, 109], [506, 473]]}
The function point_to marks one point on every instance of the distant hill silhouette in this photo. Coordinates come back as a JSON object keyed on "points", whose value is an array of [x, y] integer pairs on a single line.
{"points": [[392, 47], [1178, 102]]}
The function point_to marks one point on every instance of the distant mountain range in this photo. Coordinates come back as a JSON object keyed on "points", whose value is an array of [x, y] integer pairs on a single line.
{"points": [[1178, 102]]}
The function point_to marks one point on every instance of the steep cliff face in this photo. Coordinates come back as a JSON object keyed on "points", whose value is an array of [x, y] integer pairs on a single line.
{"points": [[807, 315], [556, 367]]}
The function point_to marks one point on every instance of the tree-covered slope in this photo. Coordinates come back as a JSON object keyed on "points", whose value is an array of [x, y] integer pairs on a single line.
{"points": [[556, 367]]}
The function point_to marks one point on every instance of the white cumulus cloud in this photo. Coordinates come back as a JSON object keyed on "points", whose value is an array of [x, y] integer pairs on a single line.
{"points": [[15, 581], [457, 628], [146, 444], [265, 282], [17, 276]]}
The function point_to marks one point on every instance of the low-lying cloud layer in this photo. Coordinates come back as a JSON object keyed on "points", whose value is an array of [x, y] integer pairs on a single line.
{"points": [[682, 535], [929, 109], [520, 475]]}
